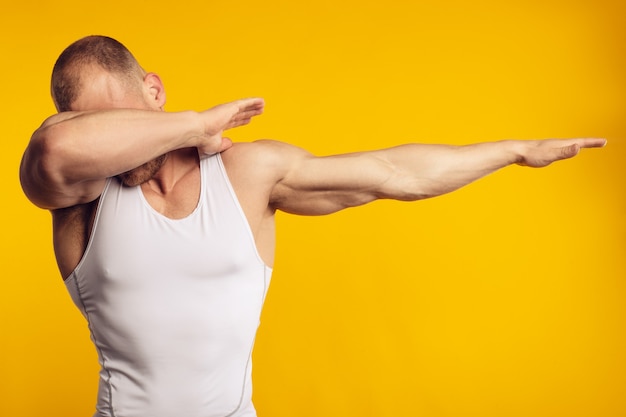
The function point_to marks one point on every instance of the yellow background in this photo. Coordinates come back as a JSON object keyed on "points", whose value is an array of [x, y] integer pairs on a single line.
{"points": [[503, 299]]}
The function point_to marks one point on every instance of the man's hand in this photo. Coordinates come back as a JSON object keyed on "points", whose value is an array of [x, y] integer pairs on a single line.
{"points": [[226, 116], [541, 153]]}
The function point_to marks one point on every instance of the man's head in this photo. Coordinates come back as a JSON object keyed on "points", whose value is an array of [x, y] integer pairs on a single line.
{"points": [[99, 73], [91, 60]]}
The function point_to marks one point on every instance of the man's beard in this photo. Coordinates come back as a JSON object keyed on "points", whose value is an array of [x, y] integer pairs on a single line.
{"points": [[143, 173]]}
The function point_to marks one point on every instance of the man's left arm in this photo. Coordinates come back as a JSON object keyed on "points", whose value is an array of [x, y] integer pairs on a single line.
{"points": [[310, 185]]}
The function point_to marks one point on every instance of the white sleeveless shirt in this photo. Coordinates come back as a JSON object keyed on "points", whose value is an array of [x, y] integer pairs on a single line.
{"points": [[173, 306]]}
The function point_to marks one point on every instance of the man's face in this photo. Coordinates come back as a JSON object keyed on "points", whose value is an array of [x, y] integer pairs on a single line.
{"points": [[101, 90]]}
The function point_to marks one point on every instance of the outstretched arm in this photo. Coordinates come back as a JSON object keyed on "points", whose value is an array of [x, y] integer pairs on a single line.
{"points": [[312, 185], [71, 154]]}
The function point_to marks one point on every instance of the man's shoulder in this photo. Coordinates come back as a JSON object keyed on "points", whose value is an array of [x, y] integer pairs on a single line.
{"points": [[262, 162], [263, 151], [261, 147], [261, 154]]}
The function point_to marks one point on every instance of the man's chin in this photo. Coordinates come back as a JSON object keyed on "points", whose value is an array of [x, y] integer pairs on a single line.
{"points": [[142, 174], [131, 179]]}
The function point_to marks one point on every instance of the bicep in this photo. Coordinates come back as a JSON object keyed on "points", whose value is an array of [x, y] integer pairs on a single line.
{"points": [[321, 185]]}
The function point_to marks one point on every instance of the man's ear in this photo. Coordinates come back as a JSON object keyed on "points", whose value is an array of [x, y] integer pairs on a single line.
{"points": [[154, 89]]}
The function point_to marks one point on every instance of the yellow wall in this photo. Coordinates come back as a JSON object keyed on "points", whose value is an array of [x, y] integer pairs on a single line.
{"points": [[503, 299]]}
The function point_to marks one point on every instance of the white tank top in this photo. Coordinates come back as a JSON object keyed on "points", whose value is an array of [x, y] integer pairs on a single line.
{"points": [[173, 306]]}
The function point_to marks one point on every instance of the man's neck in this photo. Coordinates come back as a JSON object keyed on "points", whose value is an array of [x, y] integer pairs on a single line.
{"points": [[178, 165]]}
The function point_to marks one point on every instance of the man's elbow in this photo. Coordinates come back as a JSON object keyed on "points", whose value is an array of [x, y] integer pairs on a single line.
{"points": [[34, 183], [41, 169]]}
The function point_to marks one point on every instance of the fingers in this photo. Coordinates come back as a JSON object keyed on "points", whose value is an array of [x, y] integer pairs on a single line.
{"points": [[245, 115], [248, 107], [237, 123], [568, 151], [232, 114], [543, 152], [226, 143], [573, 146], [582, 142], [215, 144], [245, 110], [252, 102], [592, 142]]}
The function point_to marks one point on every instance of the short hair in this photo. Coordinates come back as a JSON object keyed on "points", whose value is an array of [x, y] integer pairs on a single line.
{"points": [[103, 51]]}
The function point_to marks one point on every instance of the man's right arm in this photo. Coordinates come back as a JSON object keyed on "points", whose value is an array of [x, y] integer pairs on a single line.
{"points": [[70, 156]]}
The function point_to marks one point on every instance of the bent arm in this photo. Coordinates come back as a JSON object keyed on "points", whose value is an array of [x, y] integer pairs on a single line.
{"points": [[70, 156], [312, 185]]}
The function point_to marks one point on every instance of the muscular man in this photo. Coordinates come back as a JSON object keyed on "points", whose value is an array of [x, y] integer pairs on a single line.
{"points": [[164, 230]]}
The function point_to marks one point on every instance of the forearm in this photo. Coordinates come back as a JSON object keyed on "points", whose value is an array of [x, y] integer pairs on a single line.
{"points": [[420, 171], [85, 146]]}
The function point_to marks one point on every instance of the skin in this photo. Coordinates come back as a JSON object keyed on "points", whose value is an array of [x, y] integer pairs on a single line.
{"points": [[114, 130]]}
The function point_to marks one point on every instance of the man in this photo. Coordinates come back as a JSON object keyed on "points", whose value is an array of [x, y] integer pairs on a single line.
{"points": [[164, 230]]}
